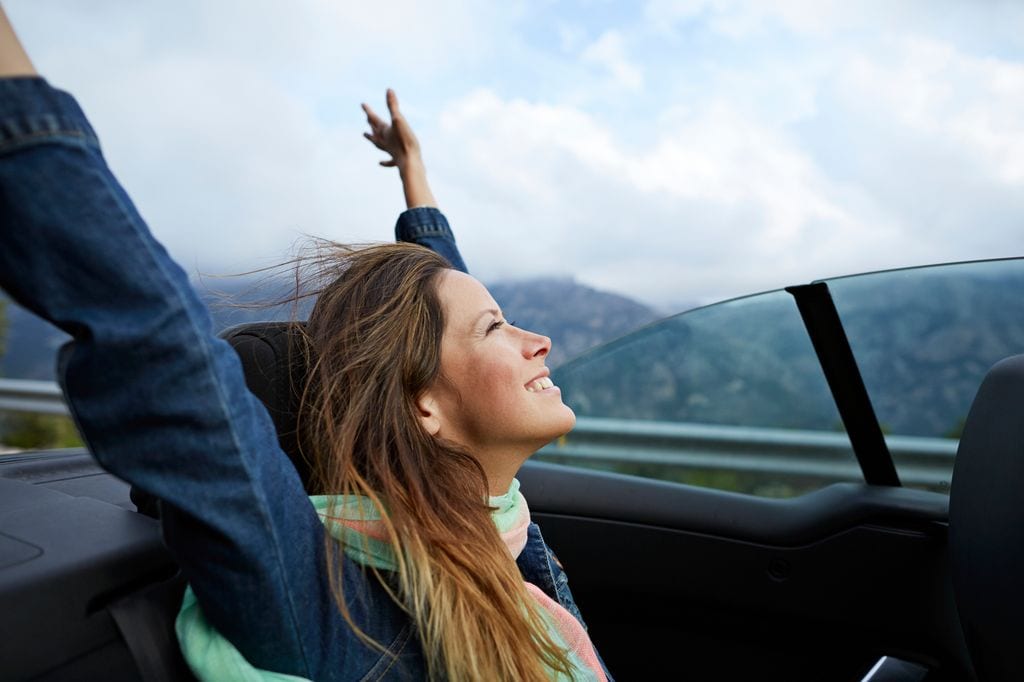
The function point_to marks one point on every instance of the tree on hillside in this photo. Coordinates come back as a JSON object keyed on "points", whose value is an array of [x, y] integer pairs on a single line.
{"points": [[33, 431]]}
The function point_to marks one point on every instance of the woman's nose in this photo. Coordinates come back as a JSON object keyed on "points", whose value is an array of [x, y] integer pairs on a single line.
{"points": [[535, 345]]}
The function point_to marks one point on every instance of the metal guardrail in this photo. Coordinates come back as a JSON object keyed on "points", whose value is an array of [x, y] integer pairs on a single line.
{"points": [[923, 461], [38, 397]]}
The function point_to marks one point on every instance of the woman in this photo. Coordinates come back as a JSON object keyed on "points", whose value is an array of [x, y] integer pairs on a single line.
{"points": [[422, 401]]}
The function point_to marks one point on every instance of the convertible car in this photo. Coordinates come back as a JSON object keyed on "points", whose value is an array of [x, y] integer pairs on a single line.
{"points": [[816, 483]]}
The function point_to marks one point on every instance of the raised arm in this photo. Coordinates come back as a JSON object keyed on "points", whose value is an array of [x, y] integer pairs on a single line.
{"points": [[158, 398], [397, 139], [14, 60], [422, 223]]}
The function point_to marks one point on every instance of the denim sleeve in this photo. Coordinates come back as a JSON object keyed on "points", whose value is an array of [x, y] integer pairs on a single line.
{"points": [[159, 399], [428, 227]]}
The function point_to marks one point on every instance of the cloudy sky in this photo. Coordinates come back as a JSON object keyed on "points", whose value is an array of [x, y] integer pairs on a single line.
{"points": [[673, 150]]}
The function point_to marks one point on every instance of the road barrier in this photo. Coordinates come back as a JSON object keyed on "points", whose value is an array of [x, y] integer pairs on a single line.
{"points": [[37, 397], [920, 461], [827, 454]]}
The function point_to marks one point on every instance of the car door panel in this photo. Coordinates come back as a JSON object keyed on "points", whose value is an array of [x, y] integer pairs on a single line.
{"points": [[716, 585]]}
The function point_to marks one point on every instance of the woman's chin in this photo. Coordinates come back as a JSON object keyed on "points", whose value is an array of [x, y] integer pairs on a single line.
{"points": [[566, 423], [571, 420]]}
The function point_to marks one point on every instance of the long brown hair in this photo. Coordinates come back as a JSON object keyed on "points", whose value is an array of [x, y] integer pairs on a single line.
{"points": [[374, 346]]}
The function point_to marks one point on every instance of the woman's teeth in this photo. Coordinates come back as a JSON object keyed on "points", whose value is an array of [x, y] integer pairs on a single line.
{"points": [[539, 384]]}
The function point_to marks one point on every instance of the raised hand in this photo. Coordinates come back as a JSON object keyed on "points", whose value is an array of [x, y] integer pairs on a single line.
{"points": [[397, 139]]}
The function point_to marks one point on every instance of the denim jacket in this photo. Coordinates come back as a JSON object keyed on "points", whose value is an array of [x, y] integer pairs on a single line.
{"points": [[162, 403]]}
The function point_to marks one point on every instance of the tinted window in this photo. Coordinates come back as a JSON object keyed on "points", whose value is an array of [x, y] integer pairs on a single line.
{"points": [[730, 396], [924, 338]]}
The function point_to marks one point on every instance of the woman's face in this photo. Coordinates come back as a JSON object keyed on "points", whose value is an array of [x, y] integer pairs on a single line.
{"points": [[496, 397]]}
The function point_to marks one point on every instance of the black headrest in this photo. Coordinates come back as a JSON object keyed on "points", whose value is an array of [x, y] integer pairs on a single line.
{"points": [[986, 524], [275, 371]]}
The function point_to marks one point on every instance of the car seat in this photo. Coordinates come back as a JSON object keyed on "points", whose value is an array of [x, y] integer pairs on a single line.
{"points": [[986, 524], [274, 365]]}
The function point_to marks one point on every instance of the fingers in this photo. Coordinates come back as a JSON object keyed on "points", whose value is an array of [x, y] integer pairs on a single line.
{"points": [[375, 121], [392, 99], [376, 141], [393, 137]]}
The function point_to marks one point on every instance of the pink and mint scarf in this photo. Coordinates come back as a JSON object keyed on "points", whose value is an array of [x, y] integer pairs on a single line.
{"points": [[356, 522]]}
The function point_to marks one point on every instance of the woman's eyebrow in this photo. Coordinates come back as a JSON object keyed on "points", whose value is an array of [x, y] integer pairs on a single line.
{"points": [[490, 311]]}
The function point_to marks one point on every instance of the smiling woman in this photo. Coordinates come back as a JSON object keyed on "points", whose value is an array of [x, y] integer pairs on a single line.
{"points": [[418, 402], [416, 557], [496, 398]]}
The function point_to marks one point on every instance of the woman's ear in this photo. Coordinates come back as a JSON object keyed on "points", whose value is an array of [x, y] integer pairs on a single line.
{"points": [[429, 413]]}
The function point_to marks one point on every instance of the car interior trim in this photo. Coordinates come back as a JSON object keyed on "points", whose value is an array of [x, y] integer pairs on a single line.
{"points": [[825, 329]]}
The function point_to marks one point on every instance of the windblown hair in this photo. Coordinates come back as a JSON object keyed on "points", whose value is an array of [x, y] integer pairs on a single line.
{"points": [[374, 346]]}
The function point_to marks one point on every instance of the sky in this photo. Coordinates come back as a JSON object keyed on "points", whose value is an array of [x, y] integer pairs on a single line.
{"points": [[675, 151]]}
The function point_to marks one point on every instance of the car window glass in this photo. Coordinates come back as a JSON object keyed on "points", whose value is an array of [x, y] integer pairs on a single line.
{"points": [[924, 339], [729, 396]]}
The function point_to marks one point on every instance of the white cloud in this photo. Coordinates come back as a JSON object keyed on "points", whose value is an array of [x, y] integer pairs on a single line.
{"points": [[281, 40], [609, 52], [222, 120], [700, 211], [739, 19], [231, 173], [973, 104], [783, 142]]}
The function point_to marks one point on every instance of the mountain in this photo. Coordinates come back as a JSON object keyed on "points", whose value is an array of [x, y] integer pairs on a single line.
{"points": [[576, 318], [923, 339]]}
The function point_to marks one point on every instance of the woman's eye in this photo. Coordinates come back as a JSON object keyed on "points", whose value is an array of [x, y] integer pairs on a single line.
{"points": [[497, 324]]}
